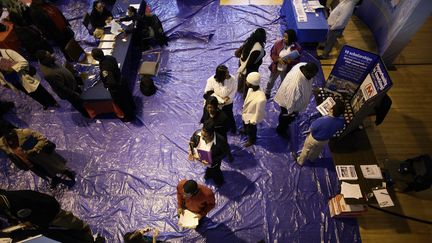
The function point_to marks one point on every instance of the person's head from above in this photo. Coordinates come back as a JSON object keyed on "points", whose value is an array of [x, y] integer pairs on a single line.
{"points": [[289, 37], [259, 35], [221, 74], [98, 6], [212, 105], [190, 189], [131, 11], [45, 57], [11, 139], [37, 2], [253, 80], [16, 18], [309, 70], [338, 109], [97, 54], [207, 132]]}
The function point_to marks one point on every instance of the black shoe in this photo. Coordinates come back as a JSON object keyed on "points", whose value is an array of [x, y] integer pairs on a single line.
{"points": [[267, 96], [282, 133], [249, 143], [54, 182], [230, 157], [323, 57]]}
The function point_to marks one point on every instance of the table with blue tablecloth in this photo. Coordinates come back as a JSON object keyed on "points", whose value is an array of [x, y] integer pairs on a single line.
{"points": [[314, 30]]}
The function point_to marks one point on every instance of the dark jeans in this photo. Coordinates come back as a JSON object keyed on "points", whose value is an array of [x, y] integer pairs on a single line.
{"points": [[285, 119], [41, 95], [123, 98], [228, 110], [215, 174], [251, 131]]}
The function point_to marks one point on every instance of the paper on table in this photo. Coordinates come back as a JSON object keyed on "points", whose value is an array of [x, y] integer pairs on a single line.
{"points": [[106, 45], [383, 198], [115, 28], [136, 6], [346, 172], [108, 37], [351, 190], [371, 171], [188, 220], [107, 51]]}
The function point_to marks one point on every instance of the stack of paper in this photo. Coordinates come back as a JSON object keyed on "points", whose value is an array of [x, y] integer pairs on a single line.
{"points": [[371, 171], [188, 220], [383, 198], [351, 190], [346, 172], [339, 208], [108, 37], [106, 45], [115, 28]]}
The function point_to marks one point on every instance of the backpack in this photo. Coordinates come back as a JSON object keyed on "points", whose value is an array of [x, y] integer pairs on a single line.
{"points": [[147, 86]]}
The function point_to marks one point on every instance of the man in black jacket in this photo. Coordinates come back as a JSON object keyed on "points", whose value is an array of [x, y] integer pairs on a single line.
{"points": [[208, 140], [44, 212], [112, 80]]}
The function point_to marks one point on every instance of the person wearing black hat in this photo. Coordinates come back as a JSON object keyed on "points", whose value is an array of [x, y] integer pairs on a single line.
{"points": [[207, 139], [112, 80], [194, 197], [221, 122]]}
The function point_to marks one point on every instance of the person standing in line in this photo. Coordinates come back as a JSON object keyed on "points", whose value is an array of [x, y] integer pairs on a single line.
{"points": [[30, 150], [194, 197], [223, 86], [294, 94], [207, 139], [321, 131], [281, 61], [44, 212], [61, 80], [251, 55], [253, 107], [17, 74]]}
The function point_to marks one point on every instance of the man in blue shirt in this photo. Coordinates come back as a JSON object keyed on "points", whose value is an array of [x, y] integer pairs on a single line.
{"points": [[321, 130]]}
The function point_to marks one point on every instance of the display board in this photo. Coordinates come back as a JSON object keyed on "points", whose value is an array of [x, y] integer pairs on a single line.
{"points": [[360, 79]]}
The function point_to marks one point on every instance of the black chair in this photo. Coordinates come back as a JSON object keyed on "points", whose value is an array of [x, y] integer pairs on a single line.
{"points": [[86, 23]]}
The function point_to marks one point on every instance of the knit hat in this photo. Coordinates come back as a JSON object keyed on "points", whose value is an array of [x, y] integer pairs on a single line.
{"points": [[190, 187], [253, 78]]}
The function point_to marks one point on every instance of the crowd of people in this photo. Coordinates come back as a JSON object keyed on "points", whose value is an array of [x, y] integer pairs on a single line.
{"points": [[30, 150]]}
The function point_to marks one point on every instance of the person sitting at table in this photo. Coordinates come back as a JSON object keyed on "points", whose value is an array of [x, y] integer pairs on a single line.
{"points": [[17, 74], [29, 148], [61, 80], [321, 131], [111, 77], [99, 17], [280, 64], [52, 23], [30, 37], [208, 140], [138, 27], [154, 29]]}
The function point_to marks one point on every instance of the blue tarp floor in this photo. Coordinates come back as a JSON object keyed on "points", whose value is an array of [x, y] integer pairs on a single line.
{"points": [[127, 172]]}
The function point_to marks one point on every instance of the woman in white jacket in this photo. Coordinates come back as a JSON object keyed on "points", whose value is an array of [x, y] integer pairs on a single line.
{"points": [[223, 86], [16, 74]]}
